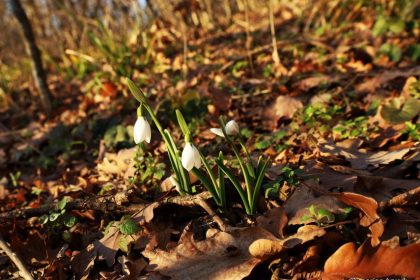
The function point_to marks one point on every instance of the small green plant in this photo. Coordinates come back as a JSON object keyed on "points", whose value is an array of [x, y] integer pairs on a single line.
{"points": [[315, 116], [253, 176], [127, 227], [288, 176], [192, 159], [15, 178], [59, 216], [394, 52], [412, 130], [148, 170], [357, 127], [142, 132], [322, 216]]}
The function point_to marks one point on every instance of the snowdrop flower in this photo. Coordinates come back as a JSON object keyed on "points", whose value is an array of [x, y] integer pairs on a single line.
{"points": [[231, 128], [190, 157], [142, 131], [217, 131]]}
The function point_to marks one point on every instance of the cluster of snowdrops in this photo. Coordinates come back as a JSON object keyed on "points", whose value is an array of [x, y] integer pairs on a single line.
{"points": [[192, 160]]}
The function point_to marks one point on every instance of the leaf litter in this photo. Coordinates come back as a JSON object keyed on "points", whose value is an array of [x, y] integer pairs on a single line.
{"points": [[350, 213]]}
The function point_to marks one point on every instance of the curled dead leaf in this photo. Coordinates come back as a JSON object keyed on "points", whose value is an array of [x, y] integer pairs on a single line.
{"points": [[222, 255], [369, 207], [373, 262], [263, 248]]}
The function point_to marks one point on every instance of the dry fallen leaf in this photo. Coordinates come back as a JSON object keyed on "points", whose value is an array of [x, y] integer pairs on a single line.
{"points": [[368, 206], [263, 248], [285, 107], [118, 164], [373, 262], [361, 158], [223, 255], [298, 203], [274, 220]]}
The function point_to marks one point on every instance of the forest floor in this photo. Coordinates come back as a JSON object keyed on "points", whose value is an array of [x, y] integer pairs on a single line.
{"points": [[336, 112]]}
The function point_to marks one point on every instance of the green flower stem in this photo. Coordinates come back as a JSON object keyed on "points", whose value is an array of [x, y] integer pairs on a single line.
{"points": [[221, 178], [184, 173], [237, 186], [258, 185], [208, 184], [174, 156], [209, 171], [249, 164], [248, 182], [173, 152]]}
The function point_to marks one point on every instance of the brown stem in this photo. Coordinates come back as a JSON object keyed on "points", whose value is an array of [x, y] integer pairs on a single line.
{"points": [[23, 271], [33, 51], [407, 198]]}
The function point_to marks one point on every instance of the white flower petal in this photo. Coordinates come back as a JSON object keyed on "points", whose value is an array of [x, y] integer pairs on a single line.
{"points": [[217, 131], [187, 158], [197, 158], [142, 131], [232, 127]]}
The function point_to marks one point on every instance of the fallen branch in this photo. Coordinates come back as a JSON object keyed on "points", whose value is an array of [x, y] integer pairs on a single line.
{"points": [[23, 271], [104, 204], [404, 199]]}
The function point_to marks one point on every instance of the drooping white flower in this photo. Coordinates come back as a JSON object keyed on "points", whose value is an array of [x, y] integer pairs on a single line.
{"points": [[217, 131], [232, 128], [190, 157], [142, 131]]}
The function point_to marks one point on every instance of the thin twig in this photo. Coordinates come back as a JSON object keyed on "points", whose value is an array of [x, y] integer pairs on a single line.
{"points": [[102, 204], [203, 204], [406, 198], [23, 271]]}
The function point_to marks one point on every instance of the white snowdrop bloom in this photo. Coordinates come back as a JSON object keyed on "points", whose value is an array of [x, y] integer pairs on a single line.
{"points": [[232, 128], [142, 131], [190, 157], [217, 131]]}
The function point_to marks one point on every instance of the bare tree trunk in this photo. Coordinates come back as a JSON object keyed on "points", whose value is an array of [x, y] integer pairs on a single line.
{"points": [[33, 51]]}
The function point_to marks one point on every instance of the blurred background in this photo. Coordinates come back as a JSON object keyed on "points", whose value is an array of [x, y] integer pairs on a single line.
{"points": [[208, 57]]}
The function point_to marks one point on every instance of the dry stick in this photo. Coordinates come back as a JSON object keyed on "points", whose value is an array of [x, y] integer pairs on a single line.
{"points": [[406, 198], [248, 39], [275, 53], [19, 138], [198, 200], [203, 204], [23, 271], [103, 204]]}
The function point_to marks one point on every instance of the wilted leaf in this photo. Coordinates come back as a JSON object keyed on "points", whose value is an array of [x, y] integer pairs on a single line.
{"points": [[298, 205], [118, 164], [263, 248], [83, 262], [311, 82], [223, 255], [397, 111], [285, 107], [368, 206], [373, 262], [274, 220], [362, 158]]}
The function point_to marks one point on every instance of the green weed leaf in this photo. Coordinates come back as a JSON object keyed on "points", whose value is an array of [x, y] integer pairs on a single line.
{"points": [[128, 226]]}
